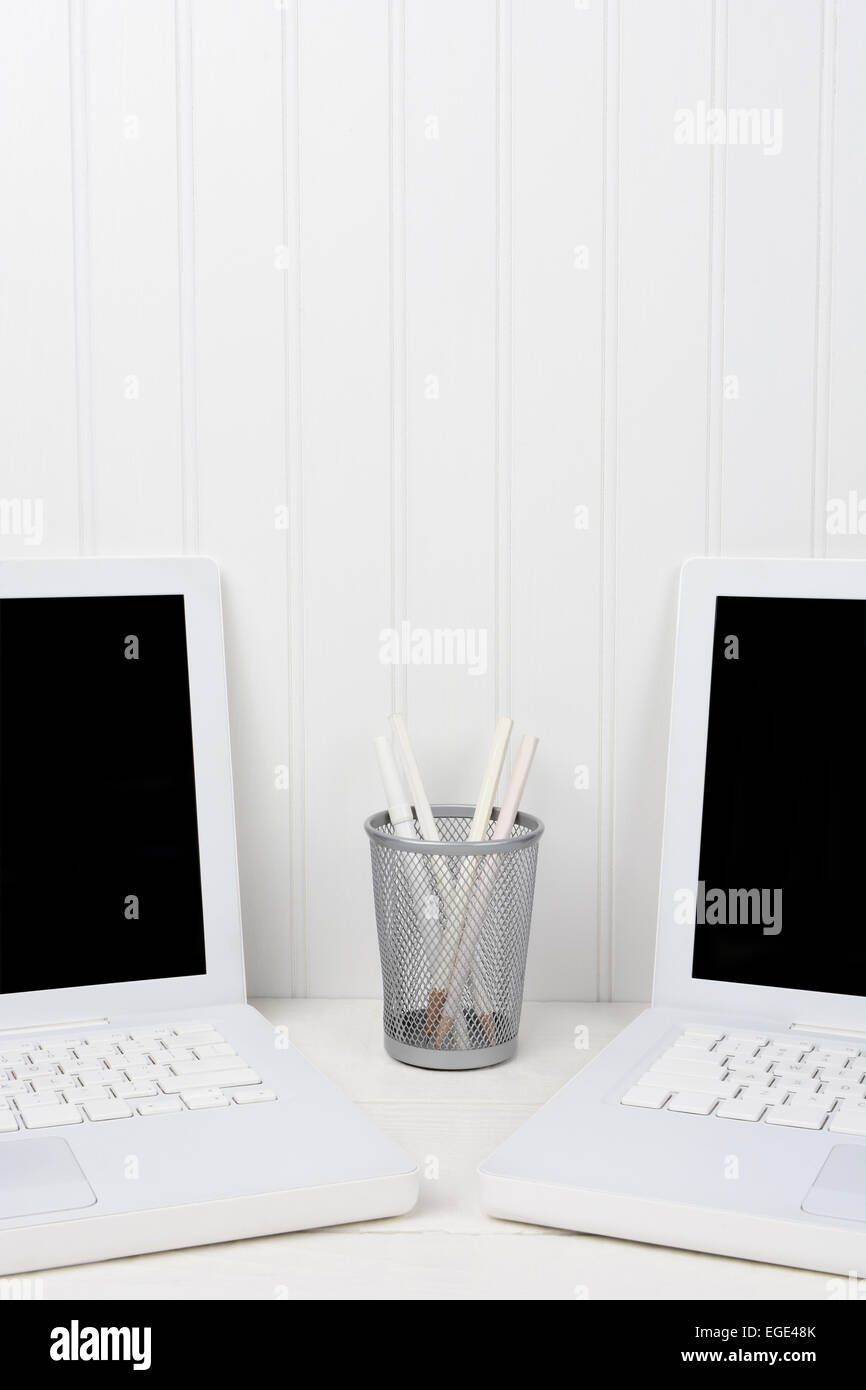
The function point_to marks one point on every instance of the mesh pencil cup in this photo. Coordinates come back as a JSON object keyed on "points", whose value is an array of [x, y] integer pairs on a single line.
{"points": [[453, 921]]}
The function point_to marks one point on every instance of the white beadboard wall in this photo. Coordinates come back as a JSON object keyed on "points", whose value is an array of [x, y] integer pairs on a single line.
{"points": [[368, 301]]}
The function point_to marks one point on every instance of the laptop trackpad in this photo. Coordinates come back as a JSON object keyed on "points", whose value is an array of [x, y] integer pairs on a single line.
{"points": [[41, 1175], [840, 1187]]}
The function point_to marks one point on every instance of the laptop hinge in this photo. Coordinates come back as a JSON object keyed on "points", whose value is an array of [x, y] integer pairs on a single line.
{"points": [[831, 1032], [54, 1027]]}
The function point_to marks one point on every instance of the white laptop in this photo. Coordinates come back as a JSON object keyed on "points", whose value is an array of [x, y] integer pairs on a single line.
{"points": [[143, 1104], [731, 1115]]}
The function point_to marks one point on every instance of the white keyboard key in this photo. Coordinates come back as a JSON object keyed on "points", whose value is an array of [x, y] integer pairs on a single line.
{"points": [[842, 1121], [743, 1108], [53, 1083], [195, 1027], [30, 1100], [93, 1052], [797, 1116], [207, 1099], [134, 1090], [163, 1105], [794, 1071], [243, 1076], [754, 1038], [194, 1067], [647, 1097], [107, 1110], [48, 1116], [750, 1076], [77, 1095], [147, 1035], [708, 1085], [767, 1094], [832, 1077], [91, 1076], [819, 1101], [691, 1103], [758, 1063], [171, 1054], [797, 1086], [8, 1122], [146, 1073], [252, 1097], [824, 1058], [220, 1049]]}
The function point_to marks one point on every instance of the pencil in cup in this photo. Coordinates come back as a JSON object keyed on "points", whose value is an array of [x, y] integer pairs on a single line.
{"points": [[415, 875], [455, 924], [450, 902], [476, 911]]}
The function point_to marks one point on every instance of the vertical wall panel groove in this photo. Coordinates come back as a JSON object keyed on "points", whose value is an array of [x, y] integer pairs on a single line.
{"points": [[186, 271], [81, 272], [609, 485], [451, 208], [347, 438], [846, 286], [297, 725], [503, 349], [134, 285], [824, 276], [397, 313], [716, 334], [771, 252], [552, 271], [41, 463], [661, 438], [242, 265]]}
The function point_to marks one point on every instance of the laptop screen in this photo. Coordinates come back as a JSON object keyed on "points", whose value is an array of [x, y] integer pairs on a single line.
{"points": [[99, 856], [783, 837]]}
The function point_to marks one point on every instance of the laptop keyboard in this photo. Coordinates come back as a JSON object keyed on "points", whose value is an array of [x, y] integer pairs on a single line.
{"points": [[160, 1070], [801, 1083]]}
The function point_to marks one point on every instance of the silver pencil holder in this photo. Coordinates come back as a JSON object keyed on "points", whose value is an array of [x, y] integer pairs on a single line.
{"points": [[453, 922]]}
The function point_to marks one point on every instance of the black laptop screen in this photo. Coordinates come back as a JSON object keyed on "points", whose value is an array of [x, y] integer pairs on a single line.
{"points": [[99, 858], [782, 869]]}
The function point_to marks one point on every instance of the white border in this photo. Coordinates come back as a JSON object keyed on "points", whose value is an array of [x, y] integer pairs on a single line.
{"points": [[197, 579], [701, 581]]}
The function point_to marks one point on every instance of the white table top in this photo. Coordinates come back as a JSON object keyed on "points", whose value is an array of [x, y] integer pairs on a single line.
{"points": [[445, 1248]]}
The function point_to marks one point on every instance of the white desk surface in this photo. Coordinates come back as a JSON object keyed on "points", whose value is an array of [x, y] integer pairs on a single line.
{"points": [[445, 1248]]}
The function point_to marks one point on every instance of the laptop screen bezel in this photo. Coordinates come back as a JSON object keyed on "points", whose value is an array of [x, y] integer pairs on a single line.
{"points": [[702, 582], [197, 579]]}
